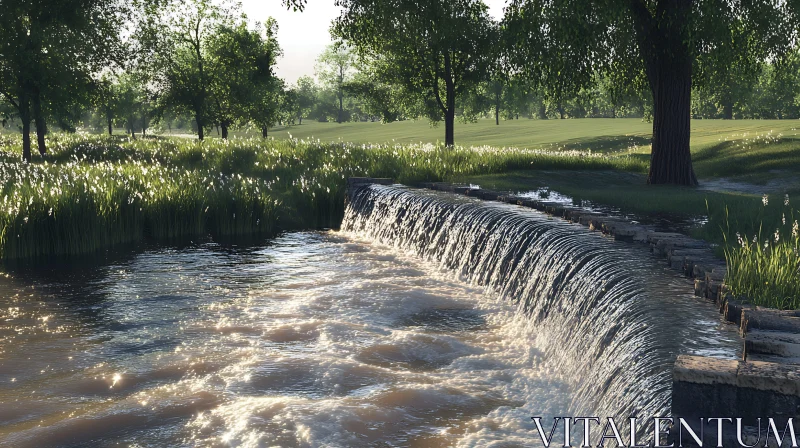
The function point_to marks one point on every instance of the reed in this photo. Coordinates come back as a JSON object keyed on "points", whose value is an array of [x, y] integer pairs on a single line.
{"points": [[94, 192], [764, 267]]}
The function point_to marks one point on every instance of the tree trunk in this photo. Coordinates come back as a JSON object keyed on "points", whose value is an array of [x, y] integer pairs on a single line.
{"points": [[449, 122], [497, 108], [663, 42], [144, 123], [110, 129], [41, 124], [199, 122], [727, 110], [450, 100], [263, 132], [300, 120], [560, 112], [542, 112], [25, 116], [224, 127], [450, 116], [341, 108], [670, 159]]}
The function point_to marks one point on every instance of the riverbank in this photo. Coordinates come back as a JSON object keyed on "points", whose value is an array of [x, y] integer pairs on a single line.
{"points": [[92, 192]]}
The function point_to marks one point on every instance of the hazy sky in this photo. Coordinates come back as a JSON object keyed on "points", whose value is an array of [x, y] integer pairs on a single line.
{"points": [[303, 35]]}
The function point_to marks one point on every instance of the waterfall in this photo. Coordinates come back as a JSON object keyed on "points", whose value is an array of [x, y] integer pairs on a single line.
{"points": [[601, 317]]}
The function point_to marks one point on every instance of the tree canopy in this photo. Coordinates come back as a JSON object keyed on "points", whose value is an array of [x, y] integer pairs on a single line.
{"points": [[660, 41], [434, 50], [50, 51]]}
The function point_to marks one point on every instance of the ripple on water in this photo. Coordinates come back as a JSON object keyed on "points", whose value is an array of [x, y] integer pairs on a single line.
{"points": [[318, 339]]}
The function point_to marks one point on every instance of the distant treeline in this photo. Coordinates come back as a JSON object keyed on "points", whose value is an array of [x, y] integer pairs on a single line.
{"points": [[345, 90], [202, 65]]}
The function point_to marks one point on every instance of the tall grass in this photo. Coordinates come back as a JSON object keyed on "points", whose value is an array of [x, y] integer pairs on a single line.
{"points": [[94, 192], [764, 268]]}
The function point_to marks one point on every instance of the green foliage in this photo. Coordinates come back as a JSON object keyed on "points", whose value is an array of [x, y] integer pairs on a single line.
{"points": [[563, 44], [764, 267], [97, 192], [334, 70], [435, 51], [306, 92], [240, 67], [49, 50]]}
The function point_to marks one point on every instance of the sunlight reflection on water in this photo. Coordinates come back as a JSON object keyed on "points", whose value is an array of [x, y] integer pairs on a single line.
{"points": [[315, 339]]}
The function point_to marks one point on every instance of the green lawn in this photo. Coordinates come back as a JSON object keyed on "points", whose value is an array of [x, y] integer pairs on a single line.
{"points": [[765, 153], [597, 134]]}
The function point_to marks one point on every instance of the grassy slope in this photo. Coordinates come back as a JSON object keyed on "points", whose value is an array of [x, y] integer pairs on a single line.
{"points": [[754, 157], [596, 134], [761, 152]]}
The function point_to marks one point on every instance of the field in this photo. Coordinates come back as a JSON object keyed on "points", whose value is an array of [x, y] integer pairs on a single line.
{"points": [[597, 134], [730, 155], [94, 192]]}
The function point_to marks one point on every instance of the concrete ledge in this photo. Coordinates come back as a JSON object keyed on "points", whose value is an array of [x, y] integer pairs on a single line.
{"points": [[356, 183], [776, 343], [704, 370], [765, 319], [704, 386], [768, 376]]}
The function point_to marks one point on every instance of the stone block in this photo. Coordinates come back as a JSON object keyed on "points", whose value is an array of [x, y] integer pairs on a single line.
{"points": [[703, 386], [769, 377], [763, 319], [776, 343]]}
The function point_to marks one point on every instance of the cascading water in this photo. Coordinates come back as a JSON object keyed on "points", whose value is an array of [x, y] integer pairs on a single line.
{"points": [[601, 315], [398, 331]]}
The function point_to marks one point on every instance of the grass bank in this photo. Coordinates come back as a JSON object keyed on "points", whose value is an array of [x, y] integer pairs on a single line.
{"points": [[595, 134], [94, 192]]}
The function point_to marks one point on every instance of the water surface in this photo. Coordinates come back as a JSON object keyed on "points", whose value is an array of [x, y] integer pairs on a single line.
{"points": [[317, 339]]}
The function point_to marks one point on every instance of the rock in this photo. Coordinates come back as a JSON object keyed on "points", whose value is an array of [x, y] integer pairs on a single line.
{"points": [[733, 311]]}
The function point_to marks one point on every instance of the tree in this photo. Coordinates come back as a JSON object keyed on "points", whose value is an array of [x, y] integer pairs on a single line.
{"points": [[48, 51], [185, 80], [260, 93], [435, 50], [729, 73], [776, 92], [659, 40], [240, 65], [334, 70], [132, 103], [306, 93], [106, 101], [374, 95], [270, 105]]}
